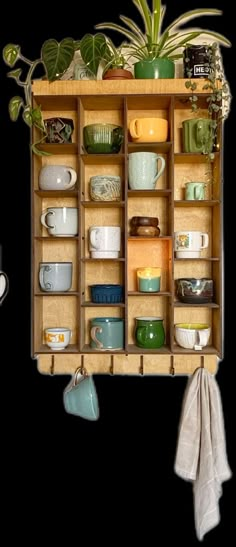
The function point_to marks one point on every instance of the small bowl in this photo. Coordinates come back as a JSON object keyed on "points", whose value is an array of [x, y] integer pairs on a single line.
{"points": [[103, 138], [57, 338], [106, 294], [59, 130], [144, 221], [195, 291], [145, 231], [105, 188]]}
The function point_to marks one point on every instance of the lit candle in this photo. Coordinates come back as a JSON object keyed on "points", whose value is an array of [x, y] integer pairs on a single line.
{"points": [[149, 279]]}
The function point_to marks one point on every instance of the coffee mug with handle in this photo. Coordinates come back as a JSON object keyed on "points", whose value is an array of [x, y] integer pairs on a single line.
{"points": [[143, 170], [188, 244], [57, 177], [195, 191], [61, 221], [55, 276], [80, 396]]}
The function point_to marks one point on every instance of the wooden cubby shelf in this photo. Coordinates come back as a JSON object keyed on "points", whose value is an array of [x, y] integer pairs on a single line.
{"points": [[117, 102]]}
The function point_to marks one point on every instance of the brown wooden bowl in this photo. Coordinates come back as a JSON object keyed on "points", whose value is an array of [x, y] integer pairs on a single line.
{"points": [[145, 231], [144, 221]]}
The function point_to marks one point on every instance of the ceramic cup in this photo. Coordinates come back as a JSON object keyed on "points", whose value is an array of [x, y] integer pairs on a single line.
{"points": [[57, 177], [104, 239], [105, 188], [55, 276], [149, 332], [107, 333], [80, 397], [149, 129], [59, 130], [189, 244], [143, 170], [198, 135], [192, 335], [57, 338], [61, 221], [149, 279], [194, 190]]}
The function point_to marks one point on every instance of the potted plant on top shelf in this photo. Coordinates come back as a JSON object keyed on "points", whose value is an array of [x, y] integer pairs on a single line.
{"points": [[156, 50], [99, 49]]}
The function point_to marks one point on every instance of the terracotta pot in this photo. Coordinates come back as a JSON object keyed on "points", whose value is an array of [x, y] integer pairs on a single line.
{"points": [[117, 74]]}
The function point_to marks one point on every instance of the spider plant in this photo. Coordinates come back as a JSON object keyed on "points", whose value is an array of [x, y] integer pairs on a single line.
{"points": [[152, 42]]}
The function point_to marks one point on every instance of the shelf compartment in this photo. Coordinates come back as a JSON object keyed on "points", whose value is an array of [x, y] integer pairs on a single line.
{"points": [[61, 194], [158, 147], [72, 348], [96, 166], [90, 312], [54, 311], [152, 252], [182, 111], [149, 193], [62, 250], [59, 149], [139, 293], [140, 306], [94, 272], [105, 204], [165, 350], [197, 167], [210, 316], [196, 203], [41, 204], [102, 216], [151, 207]]}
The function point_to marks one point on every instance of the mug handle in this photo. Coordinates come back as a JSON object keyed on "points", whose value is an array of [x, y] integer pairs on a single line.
{"points": [[140, 332], [202, 338], [135, 128], [45, 284], [93, 239], [163, 164], [93, 336], [44, 219], [205, 240], [201, 136], [73, 178], [197, 192], [5, 288]]}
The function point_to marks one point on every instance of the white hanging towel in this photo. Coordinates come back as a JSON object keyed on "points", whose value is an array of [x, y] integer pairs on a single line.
{"points": [[201, 449]]}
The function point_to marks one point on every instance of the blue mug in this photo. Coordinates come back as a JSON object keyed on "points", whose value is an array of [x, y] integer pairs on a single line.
{"points": [[80, 396]]}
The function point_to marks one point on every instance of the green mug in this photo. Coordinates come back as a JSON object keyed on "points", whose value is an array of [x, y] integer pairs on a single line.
{"points": [[195, 190], [198, 135], [149, 332]]}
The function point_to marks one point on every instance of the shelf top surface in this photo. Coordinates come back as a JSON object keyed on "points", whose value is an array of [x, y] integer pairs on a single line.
{"points": [[112, 87]]}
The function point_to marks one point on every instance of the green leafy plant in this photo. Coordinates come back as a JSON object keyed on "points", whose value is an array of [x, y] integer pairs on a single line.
{"points": [[152, 42], [98, 48], [55, 58]]}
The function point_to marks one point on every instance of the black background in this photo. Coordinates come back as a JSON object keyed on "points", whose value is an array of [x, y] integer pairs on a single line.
{"points": [[116, 473]]}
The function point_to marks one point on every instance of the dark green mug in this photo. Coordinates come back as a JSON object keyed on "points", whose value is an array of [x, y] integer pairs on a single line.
{"points": [[149, 332]]}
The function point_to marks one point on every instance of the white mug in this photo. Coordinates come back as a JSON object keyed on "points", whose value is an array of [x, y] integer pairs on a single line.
{"points": [[57, 338], [61, 221], [188, 244], [143, 170], [55, 276], [192, 335], [104, 239], [57, 177]]}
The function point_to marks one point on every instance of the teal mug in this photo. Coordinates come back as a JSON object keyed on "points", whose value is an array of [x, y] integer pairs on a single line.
{"points": [[198, 135], [149, 332], [195, 190], [107, 333], [80, 396]]}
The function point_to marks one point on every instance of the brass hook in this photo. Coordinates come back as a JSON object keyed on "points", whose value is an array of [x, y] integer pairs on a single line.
{"points": [[52, 367], [141, 365], [202, 361], [112, 365], [172, 368]]}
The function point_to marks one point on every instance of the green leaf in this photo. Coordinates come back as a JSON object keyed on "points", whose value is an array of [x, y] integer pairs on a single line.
{"points": [[11, 52], [14, 107], [15, 74], [93, 49], [57, 57], [156, 13], [76, 45], [188, 85], [39, 152], [118, 28], [135, 29], [27, 116]]}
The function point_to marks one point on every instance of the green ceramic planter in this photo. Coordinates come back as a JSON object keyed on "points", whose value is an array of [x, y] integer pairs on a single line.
{"points": [[154, 69]]}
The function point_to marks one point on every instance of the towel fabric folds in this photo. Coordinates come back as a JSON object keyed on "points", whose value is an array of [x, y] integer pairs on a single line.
{"points": [[201, 450]]}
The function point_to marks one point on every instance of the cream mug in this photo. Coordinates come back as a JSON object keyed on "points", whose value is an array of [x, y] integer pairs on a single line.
{"points": [[192, 335], [61, 221], [149, 129], [104, 241], [189, 244], [143, 170]]}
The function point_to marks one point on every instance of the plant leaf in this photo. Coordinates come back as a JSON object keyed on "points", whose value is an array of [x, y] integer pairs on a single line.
{"points": [[15, 74], [113, 26], [14, 107], [39, 152], [27, 116], [57, 57], [144, 10], [188, 15], [11, 52], [93, 49], [156, 14], [140, 36]]}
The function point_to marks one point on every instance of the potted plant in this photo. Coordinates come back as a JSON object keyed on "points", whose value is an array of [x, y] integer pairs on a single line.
{"points": [[100, 49], [55, 58], [156, 50]]}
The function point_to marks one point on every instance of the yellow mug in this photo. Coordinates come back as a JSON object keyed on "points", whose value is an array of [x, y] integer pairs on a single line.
{"points": [[149, 129]]}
